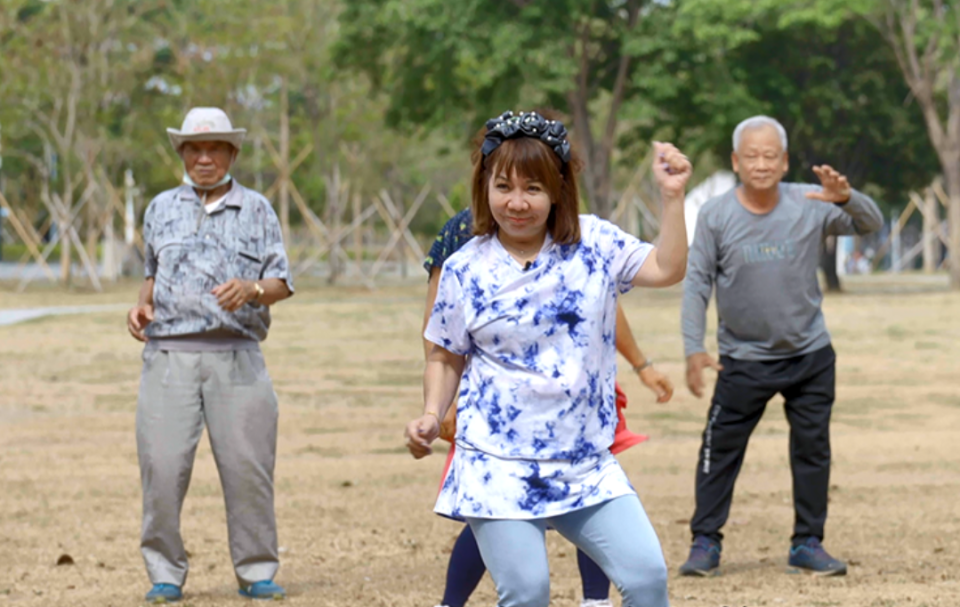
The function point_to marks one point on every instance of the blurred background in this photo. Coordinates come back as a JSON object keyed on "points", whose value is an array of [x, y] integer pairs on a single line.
{"points": [[360, 115]]}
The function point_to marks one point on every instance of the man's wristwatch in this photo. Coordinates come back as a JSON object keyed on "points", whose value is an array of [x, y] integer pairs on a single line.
{"points": [[256, 285], [639, 368]]}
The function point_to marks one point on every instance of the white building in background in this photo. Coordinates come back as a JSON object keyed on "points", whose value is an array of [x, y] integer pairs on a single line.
{"points": [[714, 185]]}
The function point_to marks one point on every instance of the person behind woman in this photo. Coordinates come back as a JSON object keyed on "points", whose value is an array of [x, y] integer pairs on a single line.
{"points": [[532, 301], [465, 568]]}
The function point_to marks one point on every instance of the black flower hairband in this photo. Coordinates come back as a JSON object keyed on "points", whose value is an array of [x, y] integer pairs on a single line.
{"points": [[527, 124]]}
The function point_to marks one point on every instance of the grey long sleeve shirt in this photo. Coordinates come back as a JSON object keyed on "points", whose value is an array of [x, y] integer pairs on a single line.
{"points": [[765, 271]]}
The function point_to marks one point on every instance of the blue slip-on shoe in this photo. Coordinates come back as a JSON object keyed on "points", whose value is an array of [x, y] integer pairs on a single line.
{"points": [[704, 557], [812, 558], [265, 590], [164, 593]]}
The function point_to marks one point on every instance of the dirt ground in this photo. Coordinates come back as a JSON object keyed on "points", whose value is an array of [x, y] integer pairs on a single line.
{"points": [[354, 510]]}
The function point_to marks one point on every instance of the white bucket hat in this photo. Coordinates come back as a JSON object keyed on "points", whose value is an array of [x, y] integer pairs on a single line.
{"points": [[206, 124]]}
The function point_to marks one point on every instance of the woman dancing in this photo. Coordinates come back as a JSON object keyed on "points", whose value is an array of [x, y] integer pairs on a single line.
{"points": [[532, 301], [465, 568]]}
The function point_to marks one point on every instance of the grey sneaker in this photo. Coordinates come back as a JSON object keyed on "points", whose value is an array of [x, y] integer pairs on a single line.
{"points": [[704, 558], [812, 558]]}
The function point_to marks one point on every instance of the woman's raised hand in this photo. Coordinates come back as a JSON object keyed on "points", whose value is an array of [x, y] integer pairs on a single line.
{"points": [[671, 169]]}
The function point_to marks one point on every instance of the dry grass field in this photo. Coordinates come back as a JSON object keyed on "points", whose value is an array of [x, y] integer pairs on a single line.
{"points": [[354, 510]]}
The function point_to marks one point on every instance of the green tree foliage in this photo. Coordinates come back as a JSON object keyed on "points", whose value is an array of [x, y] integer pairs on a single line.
{"points": [[866, 103], [836, 88], [87, 88], [455, 64]]}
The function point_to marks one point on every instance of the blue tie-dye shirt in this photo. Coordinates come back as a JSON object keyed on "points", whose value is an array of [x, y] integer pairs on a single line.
{"points": [[542, 363]]}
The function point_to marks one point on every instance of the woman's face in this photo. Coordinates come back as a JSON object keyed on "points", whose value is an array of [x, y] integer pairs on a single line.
{"points": [[520, 206]]}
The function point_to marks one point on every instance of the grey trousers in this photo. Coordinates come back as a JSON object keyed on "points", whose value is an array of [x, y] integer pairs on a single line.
{"points": [[232, 393]]}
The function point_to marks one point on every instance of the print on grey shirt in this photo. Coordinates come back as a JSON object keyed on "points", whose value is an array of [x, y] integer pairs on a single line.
{"points": [[769, 251], [764, 268]]}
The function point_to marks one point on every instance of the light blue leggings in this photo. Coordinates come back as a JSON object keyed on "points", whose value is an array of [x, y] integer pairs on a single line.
{"points": [[617, 535]]}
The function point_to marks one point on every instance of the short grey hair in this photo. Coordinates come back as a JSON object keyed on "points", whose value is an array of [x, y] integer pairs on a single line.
{"points": [[756, 122]]}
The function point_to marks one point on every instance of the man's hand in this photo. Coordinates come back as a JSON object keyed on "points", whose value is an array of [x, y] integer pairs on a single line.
{"points": [[836, 188], [658, 383], [696, 363], [420, 433], [234, 293], [137, 320], [671, 169]]}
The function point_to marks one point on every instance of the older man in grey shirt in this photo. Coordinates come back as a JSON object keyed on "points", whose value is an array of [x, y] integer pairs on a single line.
{"points": [[215, 263], [759, 244]]}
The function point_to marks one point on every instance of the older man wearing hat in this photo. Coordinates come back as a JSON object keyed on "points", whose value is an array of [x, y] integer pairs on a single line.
{"points": [[215, 263]]}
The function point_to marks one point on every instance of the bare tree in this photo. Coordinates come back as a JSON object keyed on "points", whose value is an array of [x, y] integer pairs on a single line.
{"points": [[74, 65]]}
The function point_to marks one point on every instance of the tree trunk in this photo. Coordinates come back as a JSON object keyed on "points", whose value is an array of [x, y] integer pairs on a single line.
{"points": [[91, 227], [597, 154], [828, 263], [581, 127], [63, 232], [603, 205], [952, 175], [595, 182], [285, 169], [63, 227], [333, 220], [596, 157], [931, 226]]}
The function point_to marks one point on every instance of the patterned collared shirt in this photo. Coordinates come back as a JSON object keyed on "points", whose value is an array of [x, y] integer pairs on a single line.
{"points": [[189, 252]]}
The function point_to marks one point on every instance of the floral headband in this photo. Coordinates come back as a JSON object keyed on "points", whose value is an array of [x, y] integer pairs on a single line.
{"points": [[527, 124]]}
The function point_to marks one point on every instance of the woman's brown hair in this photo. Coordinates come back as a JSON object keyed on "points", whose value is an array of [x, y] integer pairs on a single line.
{"points": [[534, 160]]}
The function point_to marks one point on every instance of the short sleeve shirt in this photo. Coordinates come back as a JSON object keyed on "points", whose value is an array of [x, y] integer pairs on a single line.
{"points": [[454, 234], [539, 391], [189, 252]]}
